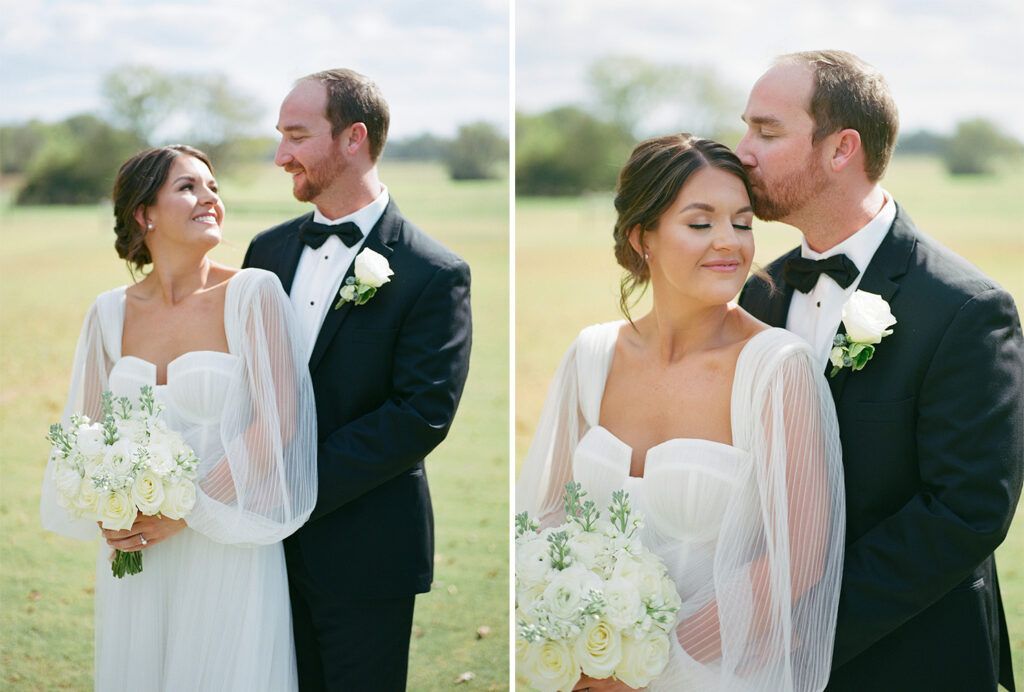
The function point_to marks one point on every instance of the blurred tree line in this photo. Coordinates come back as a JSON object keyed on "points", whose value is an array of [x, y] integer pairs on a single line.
{"points": [[573, 149], [74, 161]]}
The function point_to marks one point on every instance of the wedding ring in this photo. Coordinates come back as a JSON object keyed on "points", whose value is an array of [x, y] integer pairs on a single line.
{"points": [[143, 539]]}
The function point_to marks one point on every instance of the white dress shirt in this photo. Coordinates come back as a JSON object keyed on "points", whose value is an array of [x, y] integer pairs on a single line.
{"points": [[816, 315], [320, 271]]}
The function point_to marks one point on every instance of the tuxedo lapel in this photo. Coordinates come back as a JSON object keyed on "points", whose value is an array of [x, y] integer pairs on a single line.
{"points": [[287, 258], [778, 304], [888, 264], [381, 240]]}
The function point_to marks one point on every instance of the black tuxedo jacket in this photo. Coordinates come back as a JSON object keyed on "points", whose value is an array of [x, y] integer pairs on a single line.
{"points": [[387, 377], [933, 440]]}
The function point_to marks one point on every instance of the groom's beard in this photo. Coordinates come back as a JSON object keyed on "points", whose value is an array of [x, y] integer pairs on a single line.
{"points": [[317, 178], [788, 195]]}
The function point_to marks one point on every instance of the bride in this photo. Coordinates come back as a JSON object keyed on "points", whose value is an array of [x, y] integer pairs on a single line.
{"points": [[210, 609], [720, 428]]}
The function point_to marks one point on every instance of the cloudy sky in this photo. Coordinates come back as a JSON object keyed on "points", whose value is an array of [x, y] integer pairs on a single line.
{"points": [[439, 64], [946, 60]]}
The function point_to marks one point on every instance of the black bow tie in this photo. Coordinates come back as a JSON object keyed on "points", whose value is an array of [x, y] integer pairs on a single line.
{"points": [[315, 234], [802, 273]]}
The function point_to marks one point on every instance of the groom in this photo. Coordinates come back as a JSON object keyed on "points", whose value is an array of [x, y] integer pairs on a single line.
{"points": [[932, 427], [387, 373]]}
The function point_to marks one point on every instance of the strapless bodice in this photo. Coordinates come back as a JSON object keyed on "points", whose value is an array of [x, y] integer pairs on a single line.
{"points": [[687, 486], [197, 383]]}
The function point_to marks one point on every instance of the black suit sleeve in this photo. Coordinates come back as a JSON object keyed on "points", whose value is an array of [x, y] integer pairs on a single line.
{"points": [[430, 364], [969, 433]]}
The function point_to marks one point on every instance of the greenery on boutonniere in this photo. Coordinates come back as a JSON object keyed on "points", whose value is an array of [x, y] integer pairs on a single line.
{"points": [[867, 319]]}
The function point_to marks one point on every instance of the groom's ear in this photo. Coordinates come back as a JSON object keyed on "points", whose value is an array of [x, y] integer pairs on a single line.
{"points": [[355, 135], [846, 145]]}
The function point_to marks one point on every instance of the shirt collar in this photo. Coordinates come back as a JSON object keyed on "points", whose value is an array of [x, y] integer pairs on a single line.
{"points": [[366, 218], [861, 246]]}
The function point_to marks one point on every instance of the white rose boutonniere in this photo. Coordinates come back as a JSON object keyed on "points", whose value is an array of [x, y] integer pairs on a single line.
{"points": [[371, 272], [867, 319]]}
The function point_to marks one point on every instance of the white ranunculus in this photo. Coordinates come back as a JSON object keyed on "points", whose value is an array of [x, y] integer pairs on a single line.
{"points": [[598, 649], [67, 480], [88, 499], [161, 456], [347, 293], [117, 510], [372, 269], [90, 440], [549, 666], [566, 592], [644, 575], [533, 562], [591, 550], [179, 499], [867, 318], [119, 457], [642, 659], [623, 607], [148, 492], [133, 430]]}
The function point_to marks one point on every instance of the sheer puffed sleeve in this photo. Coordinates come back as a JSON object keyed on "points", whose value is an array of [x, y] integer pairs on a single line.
{"points": [[261, 486], [564, 419], [767, 620], [88, 381]]}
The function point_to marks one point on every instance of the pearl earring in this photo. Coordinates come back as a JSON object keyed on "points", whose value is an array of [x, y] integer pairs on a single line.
{"points": [[149, 226]]}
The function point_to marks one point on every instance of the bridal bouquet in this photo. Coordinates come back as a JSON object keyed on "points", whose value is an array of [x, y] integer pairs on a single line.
{"points": [[130, 462], [591, 597]]}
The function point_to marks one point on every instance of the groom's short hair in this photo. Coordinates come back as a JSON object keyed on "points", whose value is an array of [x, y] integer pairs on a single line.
{"points": [[354, 98], [850, 93]]}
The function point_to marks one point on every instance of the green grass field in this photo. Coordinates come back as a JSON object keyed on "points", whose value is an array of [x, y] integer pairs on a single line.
{"points": [[567, 278], [53, 263]]}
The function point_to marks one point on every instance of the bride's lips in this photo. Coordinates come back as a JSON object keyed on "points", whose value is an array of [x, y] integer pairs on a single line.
{"points": [[209, 218], [724, 266]]}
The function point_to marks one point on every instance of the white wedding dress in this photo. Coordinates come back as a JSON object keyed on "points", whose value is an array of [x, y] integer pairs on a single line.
{"points": [[751, 533], [210, 610]]}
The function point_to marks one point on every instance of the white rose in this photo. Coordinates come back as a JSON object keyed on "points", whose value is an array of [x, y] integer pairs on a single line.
{"points": [[598, 649], [179, 499], [549, 666], [623, 605], [90, 440], [372, 268], [866, 317], [642, 659], [117, 510], [148, 492]]}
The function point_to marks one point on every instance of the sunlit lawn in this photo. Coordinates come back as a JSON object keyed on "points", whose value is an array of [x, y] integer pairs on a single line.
{"points": [[567, 278], [55, 260]]}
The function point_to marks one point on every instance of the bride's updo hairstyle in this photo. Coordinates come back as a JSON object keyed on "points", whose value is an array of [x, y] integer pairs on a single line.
{"points": [[137, 185], [648, 185]]}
